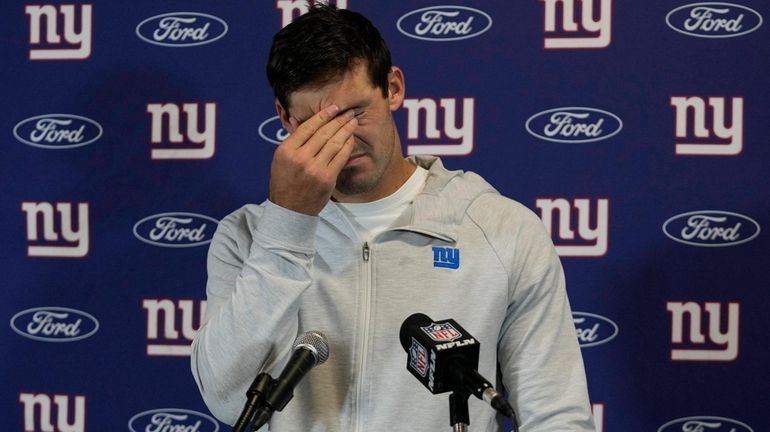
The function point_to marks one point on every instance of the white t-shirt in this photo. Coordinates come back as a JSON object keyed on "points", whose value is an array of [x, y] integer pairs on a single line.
{"points": [[372, 218]]}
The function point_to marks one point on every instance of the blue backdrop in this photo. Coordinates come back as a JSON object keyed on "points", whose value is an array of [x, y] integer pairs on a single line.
{"points": [[638, 131]]}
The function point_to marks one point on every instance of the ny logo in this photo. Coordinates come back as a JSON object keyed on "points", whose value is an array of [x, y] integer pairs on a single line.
{"points": [[724, 346], [593, 32], [173, 344], [594, 240], [75, 241], [446, 257], [43, 422], [730, 138], [291, 9], [462, 135], [76, 46], [200, 143]]}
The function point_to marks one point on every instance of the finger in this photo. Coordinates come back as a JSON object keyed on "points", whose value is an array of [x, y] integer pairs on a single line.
{"points": [[305, 130], [326, 133], [333, 145], [342, 156]]}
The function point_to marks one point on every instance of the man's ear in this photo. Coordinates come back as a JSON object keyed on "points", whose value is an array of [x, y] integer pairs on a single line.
{"points": [[396, 88], [283, 115]]}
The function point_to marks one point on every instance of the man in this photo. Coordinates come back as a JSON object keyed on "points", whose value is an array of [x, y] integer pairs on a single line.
{"points": [[346, 245]]}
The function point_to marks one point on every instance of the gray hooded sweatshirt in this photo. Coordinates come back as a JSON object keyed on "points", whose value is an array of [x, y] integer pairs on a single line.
{"points": [[274, 273]]}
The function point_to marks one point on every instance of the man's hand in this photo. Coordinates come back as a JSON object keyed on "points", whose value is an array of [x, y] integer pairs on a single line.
{"points": [[306, 164]]}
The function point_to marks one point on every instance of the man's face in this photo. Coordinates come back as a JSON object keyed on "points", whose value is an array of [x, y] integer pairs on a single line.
{"points": [[373, 168]]}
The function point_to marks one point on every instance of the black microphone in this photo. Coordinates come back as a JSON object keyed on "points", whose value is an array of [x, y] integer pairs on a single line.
{"points": [[310, 349], [444, 357]]}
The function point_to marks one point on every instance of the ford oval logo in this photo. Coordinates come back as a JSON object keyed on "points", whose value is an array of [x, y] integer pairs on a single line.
{"points": [[714, 20], [593, 329], [54, 324], [272, 131], [711, 228], [57, 131], [444, 23], [176, 230], [574, 125], [172, 419], [705, 424], [181, 29]]}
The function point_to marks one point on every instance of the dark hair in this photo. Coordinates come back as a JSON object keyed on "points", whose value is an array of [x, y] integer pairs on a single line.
{"points": [[322, 45]]}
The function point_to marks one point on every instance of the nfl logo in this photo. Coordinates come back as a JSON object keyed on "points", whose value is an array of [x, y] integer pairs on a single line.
{"points": [[418, 358], [443, 332]]}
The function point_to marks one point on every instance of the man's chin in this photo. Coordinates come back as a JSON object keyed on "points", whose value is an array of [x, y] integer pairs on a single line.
{"points": [[352, 181]]}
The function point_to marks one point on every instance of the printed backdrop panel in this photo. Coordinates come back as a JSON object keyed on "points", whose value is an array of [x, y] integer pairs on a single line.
{"points": [[637, 131]]}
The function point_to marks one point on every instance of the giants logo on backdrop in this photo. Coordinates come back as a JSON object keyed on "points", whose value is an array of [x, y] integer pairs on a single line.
{"points": [[181, 29], [574, 125], [728, 140], [75, 46], [291, 9], [38, 415], [593, 30], [444, 23], [705, 424], [591, 242], [426, 138], [714, 20], [175, 317], [699, 346], [597, 409], [272, 131], [57, 131], [172, 419], [176, 230], [73, 243], [593, 329], [198, 144], [54, 324], [711, 228]]}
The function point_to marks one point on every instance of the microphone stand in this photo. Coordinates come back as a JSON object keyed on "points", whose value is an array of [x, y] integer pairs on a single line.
{"points": [[459, 418], [256, 393]]}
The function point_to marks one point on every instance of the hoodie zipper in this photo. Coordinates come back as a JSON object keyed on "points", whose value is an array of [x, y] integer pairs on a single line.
{"points": [[366, 311]]}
